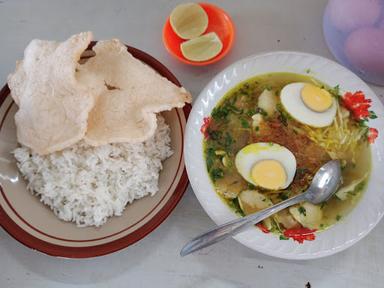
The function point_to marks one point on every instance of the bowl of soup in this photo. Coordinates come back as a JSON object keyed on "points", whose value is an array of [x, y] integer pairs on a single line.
{"points": [[261, 129]]}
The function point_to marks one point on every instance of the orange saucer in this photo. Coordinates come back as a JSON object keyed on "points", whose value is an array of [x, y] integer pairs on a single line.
{"points": [[218, 21]]}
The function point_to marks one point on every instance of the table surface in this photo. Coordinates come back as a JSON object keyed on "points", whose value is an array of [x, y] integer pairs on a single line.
{"points": [[261, 25]]}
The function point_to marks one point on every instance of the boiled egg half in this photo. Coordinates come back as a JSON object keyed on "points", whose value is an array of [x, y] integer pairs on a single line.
{"points": [[309, 104], [267, 165]]}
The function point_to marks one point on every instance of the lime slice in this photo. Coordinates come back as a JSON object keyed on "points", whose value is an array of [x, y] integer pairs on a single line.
{"points": [[188, 20], [202, 48]]}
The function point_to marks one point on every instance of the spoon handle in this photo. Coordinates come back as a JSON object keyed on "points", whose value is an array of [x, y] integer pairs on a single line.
{"points": [[235, 226]]}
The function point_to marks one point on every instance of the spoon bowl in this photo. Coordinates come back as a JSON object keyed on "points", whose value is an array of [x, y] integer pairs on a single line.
{"points": [[325, 183]]}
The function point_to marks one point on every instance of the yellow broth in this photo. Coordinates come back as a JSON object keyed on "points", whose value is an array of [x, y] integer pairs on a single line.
{"points": [[335, 209], [231, 129]]}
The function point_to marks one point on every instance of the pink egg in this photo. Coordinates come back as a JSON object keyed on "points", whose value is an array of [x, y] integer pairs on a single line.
{"points": [[365, 50], [347, 15]]}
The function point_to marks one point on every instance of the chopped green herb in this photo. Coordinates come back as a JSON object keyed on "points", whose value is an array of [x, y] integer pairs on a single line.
{"points": [[261, 111], [321, 225], [372, 115], [338, 217], [283, 115], [232, 100], [211, 155], [357, 189], [282, 237], [257, 128], [244, 123], [251, 186], [251, 112], [216, 173], [214, 134], [244, 91], [301, 171], [352, 193], [228, 141], [234, 204], [280, 109], [323, 205], [220, 113], [270, 143], [363, 123], [284, 195], [275, 226], [308, 71], [360, 186], [302, 210], [335, 91], [234, 109]]}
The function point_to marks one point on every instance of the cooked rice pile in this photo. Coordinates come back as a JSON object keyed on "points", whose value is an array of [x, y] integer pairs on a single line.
{"points": [[86, 184]]}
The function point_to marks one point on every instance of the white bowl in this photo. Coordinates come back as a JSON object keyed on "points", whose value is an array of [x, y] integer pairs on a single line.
{"points": [[340, 236]]}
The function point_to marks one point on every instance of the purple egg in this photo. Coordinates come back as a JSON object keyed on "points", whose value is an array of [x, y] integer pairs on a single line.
{"points": [[381, 25], [347, 15], [364, 48]]}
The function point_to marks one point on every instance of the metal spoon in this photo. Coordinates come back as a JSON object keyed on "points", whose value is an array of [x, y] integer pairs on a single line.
{"points": [[323, 186]]}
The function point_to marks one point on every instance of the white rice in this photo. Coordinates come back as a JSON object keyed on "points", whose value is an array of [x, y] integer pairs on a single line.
{"points": [[86, 184]]}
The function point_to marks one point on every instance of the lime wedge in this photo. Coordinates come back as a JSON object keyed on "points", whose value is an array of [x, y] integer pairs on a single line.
{"points": [[188, 20], [202, 48]]}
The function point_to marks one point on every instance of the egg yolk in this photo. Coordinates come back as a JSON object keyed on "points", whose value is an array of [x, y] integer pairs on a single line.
{"points": [[315, 98], [269, 174]]}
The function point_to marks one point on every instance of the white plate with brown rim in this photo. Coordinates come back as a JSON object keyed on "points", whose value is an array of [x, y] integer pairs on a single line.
{"points": [[30, 222]]}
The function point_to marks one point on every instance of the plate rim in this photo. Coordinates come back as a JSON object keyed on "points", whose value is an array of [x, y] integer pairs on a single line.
{"points": [[212, 84], [34, 243]]}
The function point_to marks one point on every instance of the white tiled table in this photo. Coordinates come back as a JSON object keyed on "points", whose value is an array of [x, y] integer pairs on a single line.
{"points": [[261, 25]]}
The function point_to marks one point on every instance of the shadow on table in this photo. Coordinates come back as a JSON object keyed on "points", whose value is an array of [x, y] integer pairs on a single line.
{"points": [[88, 271]]}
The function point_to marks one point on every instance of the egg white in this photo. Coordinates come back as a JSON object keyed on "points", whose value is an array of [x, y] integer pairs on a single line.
{"points": [[290, 97], [247, 157]]}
